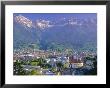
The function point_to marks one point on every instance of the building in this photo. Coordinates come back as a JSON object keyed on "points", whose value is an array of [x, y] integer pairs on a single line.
{"points": [[75, 63], [53, 62], [64, 59], [26, 56]]}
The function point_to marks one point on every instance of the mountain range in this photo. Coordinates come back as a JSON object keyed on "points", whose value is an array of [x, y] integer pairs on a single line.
{"points": [[70, 32]]}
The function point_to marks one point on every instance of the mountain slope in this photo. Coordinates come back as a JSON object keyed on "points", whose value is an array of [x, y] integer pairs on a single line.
{"points": [[75, 34]]}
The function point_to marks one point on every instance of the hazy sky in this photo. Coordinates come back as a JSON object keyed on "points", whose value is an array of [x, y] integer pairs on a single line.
{"points": [[52, 16]]}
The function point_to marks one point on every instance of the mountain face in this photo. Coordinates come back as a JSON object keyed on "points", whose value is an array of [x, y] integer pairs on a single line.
{"points": [[70, 33]]}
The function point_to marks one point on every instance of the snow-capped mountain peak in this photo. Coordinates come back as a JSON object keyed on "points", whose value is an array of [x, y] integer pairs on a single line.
{"points": [[42, 24], [24, 21]]}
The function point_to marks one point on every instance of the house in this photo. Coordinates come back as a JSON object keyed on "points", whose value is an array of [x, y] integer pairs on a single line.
{"points": [[52, 62], [47, 72], [64, 59], [89, 64], [29, 68], [47, 60], [75, 63], [26, 56]]}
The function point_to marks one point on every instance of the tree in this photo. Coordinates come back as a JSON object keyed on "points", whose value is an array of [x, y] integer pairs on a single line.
{"points": [[60, 66], [18, 69], [66, 65], [54, 69], [35, 72], [46, 66], [71, 69], [34, 63], [34, 46], [69, 51], [41, 62]]}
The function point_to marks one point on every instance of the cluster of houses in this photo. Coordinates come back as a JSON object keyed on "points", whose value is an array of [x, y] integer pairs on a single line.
{"points": [[36, 54], [74, 61]]}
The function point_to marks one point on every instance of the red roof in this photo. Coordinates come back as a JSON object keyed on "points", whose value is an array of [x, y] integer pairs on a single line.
{"points": [[72, 60]]}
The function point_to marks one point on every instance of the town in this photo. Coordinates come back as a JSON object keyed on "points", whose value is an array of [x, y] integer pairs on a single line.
{"points": [[48, 62]]}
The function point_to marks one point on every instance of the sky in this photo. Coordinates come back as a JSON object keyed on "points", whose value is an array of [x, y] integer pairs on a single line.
{"points": [[52, 16]]}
